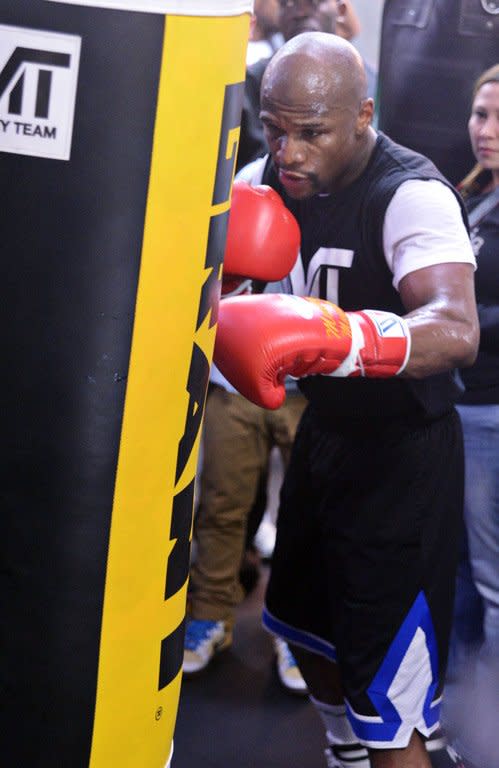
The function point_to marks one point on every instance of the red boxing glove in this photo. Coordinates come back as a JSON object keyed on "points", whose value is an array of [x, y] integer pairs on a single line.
{"points": [[261, 339], [263, 237]]}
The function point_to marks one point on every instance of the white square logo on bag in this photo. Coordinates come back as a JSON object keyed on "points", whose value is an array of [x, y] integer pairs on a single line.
{"points": [[38, 81]]}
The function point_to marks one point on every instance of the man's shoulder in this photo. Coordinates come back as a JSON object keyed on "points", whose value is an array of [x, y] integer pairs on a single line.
{"points": [[403, 158]]}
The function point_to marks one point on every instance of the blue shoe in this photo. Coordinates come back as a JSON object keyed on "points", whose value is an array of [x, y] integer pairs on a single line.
{"points": [[202, 640]]}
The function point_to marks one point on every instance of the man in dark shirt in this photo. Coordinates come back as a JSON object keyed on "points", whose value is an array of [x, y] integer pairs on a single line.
{"points": [[431, 52], [364, 565]]}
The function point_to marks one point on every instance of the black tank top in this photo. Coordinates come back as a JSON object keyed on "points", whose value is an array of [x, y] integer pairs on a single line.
{"points": [[352, 220]]}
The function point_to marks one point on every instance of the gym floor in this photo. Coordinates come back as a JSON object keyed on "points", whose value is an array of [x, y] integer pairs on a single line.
{"points": [[236, 714]]}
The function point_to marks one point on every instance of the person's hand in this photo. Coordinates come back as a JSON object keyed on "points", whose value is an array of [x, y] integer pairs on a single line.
{"points": [[263, 238], [262, 339]]}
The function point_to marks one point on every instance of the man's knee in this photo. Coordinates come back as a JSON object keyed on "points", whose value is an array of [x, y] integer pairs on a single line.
{"points": [[321, 675]]}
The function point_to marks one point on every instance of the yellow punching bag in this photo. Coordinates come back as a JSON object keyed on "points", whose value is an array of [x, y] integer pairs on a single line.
{"points": [[119, 125]]}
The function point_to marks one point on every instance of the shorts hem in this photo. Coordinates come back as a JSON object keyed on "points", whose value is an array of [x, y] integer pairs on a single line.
{"points": [[401, 733], [297, 636]]}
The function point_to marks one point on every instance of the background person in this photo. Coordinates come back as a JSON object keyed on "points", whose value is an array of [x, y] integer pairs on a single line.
{"points": [[265, 37], [238, 437], [363, 570], [472, 690], [431, 52], [348, 23]]}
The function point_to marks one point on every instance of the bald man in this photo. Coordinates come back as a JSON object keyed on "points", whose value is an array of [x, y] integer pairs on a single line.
{"points": [[363, 569], [294, 17]]}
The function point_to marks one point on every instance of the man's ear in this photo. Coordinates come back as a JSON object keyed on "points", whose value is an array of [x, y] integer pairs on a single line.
{"points": [[341, 10], [365, 116], [347, 21]]}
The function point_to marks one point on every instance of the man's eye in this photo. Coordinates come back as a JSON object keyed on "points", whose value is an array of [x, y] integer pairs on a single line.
{"points": [[309, 133], [272, 130]]}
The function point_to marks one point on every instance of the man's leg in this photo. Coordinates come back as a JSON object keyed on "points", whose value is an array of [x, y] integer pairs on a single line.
{"points": [[412, 756], [232, 459], [474, 717], [324, 684], [466, 639], [394, 559], [324, 681], [234, 451], [322, 676]]}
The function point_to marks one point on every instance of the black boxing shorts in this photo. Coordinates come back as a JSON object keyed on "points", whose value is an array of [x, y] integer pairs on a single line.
{"points": [[364, 565]]}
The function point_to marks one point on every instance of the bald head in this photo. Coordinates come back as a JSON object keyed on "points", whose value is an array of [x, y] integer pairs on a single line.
{"points": [[315, 114], [323, 68]]}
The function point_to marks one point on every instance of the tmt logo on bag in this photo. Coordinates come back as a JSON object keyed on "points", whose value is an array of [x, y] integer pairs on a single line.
{"points": [[38, 80]]}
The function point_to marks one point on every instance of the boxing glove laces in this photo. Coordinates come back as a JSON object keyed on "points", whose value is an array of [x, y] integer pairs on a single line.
{"points": [[262, 339]]}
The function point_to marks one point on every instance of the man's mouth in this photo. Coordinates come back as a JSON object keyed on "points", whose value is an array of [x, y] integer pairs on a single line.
{"points": [[295, 184], [306, 25], [291, 177]]}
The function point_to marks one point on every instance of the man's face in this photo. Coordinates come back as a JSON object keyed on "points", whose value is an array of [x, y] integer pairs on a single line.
{"points": [[298, 16], [313, 144], [267, 14]]}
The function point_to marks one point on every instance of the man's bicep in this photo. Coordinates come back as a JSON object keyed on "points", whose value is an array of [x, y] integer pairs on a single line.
{"points": [[449, 286], [442, 318]]}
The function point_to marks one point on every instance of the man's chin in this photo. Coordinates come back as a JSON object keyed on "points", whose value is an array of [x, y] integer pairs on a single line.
{"points": [[299, 28], [295, 187], [299, 195]]}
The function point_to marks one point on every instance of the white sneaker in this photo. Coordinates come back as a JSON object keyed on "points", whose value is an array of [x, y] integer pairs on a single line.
{"points": [[436, 742], [331, 760], [287, 668], [264, 540], [202, 640]]}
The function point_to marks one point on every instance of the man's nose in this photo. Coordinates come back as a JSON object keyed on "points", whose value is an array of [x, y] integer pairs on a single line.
{"points": [[290, 152], [303, 7]]}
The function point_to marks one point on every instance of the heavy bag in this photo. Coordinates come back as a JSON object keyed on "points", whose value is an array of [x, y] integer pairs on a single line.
{"points": [[431, 53], [119, 124]]}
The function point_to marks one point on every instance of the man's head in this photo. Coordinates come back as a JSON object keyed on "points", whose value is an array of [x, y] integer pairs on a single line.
{"points": [[298, 16], [316, 117], [266, 18]]}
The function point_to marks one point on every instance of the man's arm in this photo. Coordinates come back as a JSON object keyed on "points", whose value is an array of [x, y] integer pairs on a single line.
{"points": [[261, 339], [442, 318]]}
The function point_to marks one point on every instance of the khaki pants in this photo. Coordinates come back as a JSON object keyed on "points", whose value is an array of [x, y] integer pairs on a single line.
{"points": [[238, 437]]}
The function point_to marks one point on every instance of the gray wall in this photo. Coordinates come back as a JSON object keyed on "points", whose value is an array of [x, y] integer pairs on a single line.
{"points": [[367, 42]]}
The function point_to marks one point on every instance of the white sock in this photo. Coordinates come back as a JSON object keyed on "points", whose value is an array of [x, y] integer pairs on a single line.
{"points": [[340, 736]]}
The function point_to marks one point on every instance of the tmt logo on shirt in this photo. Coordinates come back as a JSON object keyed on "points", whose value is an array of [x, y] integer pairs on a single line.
{"points": [[38, 80]]}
